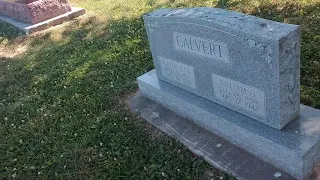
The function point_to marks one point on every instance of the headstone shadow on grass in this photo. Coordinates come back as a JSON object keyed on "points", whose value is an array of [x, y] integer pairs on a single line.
{"points": [[8, 32]]}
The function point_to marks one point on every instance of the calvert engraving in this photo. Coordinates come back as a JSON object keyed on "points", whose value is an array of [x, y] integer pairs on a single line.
{"points": [[201, 46], [177, 71], [247, 97]]}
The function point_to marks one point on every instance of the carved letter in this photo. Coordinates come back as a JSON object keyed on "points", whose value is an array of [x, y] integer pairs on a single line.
{"points": [[186, 45], [178, 41], [205, 47], [212, 47]]}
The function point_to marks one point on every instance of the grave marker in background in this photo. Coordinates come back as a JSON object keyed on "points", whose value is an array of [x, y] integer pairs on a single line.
{"points": [[35, 15]]}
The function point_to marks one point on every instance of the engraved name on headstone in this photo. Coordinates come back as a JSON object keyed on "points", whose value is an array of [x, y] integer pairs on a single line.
{"points": [[201, 46]]}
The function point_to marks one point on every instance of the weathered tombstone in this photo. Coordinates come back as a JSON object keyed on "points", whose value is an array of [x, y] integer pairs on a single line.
{"points": [[34, 15], [237, 76], [248, 64]]}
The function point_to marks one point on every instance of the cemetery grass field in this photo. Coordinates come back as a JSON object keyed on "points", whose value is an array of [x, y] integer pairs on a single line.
{"points": [[63, 112]]}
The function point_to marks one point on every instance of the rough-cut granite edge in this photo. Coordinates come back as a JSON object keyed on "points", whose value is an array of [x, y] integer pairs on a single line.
{"points": [[43, 10], [289, 64], [238, 21], [297, 163]]}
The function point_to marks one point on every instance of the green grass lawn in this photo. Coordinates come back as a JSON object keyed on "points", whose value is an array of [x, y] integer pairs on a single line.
{"points": [[62, 93]]}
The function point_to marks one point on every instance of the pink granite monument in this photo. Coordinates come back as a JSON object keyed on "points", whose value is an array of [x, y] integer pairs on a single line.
{"points": [[34, 11], [36, 15]]}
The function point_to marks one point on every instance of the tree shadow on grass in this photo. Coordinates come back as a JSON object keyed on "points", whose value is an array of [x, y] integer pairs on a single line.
{"points": [[63, 113]]}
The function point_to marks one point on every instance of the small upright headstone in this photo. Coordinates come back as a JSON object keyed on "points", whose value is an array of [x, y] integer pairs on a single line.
{"points": [[237, 76], [248, 64]]}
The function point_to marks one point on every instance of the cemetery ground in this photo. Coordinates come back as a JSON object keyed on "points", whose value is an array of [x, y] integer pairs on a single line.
{"points": [[63, 92]]}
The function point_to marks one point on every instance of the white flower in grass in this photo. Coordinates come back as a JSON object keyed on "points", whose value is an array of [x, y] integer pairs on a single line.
{"points": [[14, 175], [277, 174]]}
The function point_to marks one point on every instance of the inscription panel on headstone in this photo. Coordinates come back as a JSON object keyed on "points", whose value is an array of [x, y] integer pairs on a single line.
{"points": [[178, 72], [239, 94], [201, 46]]}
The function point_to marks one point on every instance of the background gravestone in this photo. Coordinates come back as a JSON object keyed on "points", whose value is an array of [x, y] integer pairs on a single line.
{"points": [[35, 15], [34, 11]]}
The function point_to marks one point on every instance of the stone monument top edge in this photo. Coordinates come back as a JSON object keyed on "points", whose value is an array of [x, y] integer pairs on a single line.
{"points": [[231, 19]]}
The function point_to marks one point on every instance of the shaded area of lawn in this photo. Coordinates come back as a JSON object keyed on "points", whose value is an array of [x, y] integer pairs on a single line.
{"points": [[63, 111], [8, 32], [62, 100]]}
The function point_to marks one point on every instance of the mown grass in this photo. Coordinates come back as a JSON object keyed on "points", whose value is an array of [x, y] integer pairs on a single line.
{"points": [[62, 93]]}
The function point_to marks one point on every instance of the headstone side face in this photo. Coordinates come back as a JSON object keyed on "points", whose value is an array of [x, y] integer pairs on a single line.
{"points": [[289, 51], [245, 63]]}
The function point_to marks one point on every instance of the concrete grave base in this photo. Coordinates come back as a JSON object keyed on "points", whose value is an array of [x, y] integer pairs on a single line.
{"points": [[31, 28], [294, 150]]}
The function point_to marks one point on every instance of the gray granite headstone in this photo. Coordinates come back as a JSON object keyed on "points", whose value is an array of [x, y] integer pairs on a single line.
{"points": [[247, 64]]}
